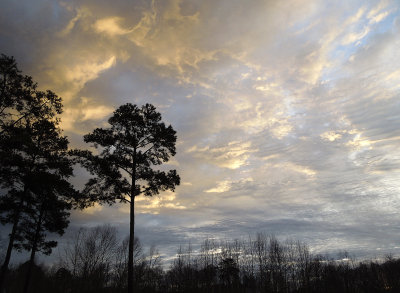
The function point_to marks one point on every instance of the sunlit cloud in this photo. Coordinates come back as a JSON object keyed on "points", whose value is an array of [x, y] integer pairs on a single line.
{"points": [[222, 186], [80, 74], [98, 112], [96, 208], [79, 14], [232, 156], [110, 26], [300, 169], [354, 37], [331, 135], [377, 14], [300, 96], [155, 204]]}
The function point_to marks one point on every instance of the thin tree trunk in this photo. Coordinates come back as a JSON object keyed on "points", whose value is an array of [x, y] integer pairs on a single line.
{"points": [[2, 97], [4, 267], [132, 228], [29, 271], [33, 252]]}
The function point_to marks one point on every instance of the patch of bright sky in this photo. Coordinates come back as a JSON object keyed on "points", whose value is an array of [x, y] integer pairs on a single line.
{"points": [[363, 31]]}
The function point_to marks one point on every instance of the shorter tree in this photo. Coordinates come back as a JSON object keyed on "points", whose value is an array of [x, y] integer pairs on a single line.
{"points": [[36, 160], [47, 213]]}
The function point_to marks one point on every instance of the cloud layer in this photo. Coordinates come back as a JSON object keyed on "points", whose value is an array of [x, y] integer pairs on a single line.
{"points": [[287, 112]]}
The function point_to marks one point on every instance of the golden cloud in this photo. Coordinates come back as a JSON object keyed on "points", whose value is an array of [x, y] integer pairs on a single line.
{"points": [[222, 186], [232, 156], [110, 26]]}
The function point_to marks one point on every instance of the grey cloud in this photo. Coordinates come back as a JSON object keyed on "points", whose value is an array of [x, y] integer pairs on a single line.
{"points": [[272, 76]]}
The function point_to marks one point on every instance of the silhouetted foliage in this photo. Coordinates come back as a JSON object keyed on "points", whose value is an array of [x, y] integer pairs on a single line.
{"points": [[39, 195], [136, 141], [20, 100], [35, 165]]}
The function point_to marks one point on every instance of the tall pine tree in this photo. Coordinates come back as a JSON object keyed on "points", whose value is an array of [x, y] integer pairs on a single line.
{"points": [[136, 141]]}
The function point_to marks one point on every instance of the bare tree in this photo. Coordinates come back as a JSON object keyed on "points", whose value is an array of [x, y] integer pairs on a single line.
{"points": [[90, 257]]}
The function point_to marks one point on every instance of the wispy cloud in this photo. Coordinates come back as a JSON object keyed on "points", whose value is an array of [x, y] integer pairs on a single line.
{"points": [[286, 112]]}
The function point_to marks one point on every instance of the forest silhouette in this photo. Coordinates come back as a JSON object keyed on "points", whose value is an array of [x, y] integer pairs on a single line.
{"points": [[37, 197]]}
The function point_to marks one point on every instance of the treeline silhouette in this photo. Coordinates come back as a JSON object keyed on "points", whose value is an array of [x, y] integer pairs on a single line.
{"points": [[95, 261]]}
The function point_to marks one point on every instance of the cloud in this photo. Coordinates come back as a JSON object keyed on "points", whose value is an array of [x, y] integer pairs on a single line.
{"points": [[222, 186], [300, 96], [376, 14], [232, 156], [80, 74], [110, 26], [331, 135], [353, 37]]}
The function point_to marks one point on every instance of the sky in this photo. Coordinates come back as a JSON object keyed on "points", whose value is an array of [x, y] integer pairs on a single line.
{"points": [[287, 112]]}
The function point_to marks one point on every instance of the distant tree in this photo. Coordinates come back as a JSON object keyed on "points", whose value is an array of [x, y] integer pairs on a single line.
{"points": [[153, 272], [134, 143], [95, 259], [90, 257], [228, 271], [120, 272]]}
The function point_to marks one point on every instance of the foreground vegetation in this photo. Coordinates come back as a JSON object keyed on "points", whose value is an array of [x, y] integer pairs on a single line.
{"points": [[96, 262]]}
